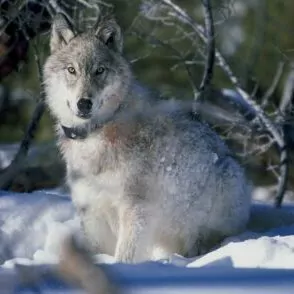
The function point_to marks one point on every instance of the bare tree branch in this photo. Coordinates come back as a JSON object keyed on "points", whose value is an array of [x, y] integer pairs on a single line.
{"points": [[276, 133]]}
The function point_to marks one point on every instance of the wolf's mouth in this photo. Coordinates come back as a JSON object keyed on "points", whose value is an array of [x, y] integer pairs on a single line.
{"points": [[79, 114], [83, 115]]}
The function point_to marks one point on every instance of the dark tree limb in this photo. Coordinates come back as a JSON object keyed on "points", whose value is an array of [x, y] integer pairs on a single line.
{"points": [[210, 54], [284, 106], [10, 172]]}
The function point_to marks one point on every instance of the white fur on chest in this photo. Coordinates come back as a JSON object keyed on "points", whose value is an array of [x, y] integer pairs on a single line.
{"points": [[83, 155], [91, 182], [100, 190]]}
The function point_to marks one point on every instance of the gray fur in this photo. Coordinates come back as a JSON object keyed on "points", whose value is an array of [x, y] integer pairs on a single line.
{"points": [[151, 181]]}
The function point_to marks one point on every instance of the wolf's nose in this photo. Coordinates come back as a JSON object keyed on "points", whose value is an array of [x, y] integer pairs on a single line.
{"points": [[84, 105]]}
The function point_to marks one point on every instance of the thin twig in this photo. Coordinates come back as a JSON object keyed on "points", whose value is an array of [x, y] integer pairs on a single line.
{"points": [[274, 84], [288, 92], [58, 9], [155, 41]]}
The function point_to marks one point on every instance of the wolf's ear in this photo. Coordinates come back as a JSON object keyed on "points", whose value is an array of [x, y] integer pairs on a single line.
{"points": [[109, 32], [61, 32]]}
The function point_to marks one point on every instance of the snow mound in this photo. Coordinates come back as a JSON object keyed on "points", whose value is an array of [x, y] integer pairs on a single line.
{"points": [[264, 252], [33, 225]]}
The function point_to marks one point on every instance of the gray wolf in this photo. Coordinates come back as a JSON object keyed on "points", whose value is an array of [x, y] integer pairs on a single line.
{"points": [[147, 178]]}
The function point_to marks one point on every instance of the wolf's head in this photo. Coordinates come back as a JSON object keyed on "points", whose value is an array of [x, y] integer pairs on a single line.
{"points": [[85, 76]]}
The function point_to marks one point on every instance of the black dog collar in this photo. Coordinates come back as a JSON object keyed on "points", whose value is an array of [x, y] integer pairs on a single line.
{"points": [[75, 133], [80, 133]]}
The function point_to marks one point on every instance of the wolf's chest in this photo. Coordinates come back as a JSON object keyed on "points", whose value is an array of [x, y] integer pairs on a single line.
{"points": [[83, 156], [101, 190], [92, 172]]}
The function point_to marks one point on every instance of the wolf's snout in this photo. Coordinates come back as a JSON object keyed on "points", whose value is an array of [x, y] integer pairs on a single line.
{"points": [[84, 106]]}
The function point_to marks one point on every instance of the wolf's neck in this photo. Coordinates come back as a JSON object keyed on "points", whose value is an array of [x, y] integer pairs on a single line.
{"points": [[139, 96]]}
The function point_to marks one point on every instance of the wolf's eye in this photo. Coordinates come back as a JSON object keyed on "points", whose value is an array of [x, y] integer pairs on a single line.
{"points": [[100, 70], [71, 70]]}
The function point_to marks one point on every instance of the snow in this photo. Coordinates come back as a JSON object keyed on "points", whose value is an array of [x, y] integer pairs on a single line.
{"points": [[33, 225], [263, 252]]}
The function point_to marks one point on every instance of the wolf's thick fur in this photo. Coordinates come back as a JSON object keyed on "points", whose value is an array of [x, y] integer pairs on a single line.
{"points": [[148, 179]]}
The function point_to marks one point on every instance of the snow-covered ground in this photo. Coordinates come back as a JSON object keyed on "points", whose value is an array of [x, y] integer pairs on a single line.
{"points": [[32, 227]]}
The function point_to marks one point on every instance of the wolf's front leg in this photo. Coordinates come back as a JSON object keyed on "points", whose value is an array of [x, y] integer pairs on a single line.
{"points": [[133, 236]]}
